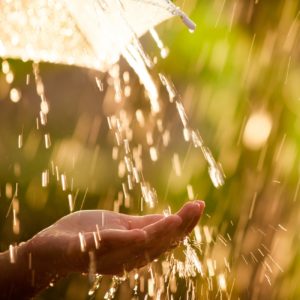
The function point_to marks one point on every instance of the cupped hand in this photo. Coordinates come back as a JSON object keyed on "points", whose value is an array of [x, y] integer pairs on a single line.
{"points": [[115, 242]]}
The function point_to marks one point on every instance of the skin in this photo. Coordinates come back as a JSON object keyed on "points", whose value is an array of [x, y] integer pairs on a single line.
{"points": [[113, 242]]}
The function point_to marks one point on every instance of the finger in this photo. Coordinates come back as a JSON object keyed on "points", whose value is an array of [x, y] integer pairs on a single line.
{"points": [[170, 235], [190, 214], [142, 221], [161, 236], [115, 249], [127, 258], [159, 245], [162, 228]]}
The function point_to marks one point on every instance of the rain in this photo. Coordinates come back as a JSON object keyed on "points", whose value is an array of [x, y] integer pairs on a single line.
{"points": [[106, 108]]}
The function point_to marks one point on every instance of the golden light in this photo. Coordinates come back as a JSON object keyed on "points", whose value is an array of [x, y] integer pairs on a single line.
{"points": [[257, 130], [15, 95]]}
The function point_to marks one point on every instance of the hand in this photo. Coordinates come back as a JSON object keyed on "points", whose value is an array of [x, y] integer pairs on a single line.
{"points": [[118, 242], [109, 242]]}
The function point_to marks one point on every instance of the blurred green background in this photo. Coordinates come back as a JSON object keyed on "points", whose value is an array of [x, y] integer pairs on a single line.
{"points": [[239, 77]]}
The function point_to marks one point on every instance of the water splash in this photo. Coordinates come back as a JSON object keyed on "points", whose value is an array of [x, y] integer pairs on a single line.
{"points": [[130, 161]]}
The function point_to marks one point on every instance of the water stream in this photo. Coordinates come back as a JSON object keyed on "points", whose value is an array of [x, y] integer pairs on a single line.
{"points": [[94, 36]]}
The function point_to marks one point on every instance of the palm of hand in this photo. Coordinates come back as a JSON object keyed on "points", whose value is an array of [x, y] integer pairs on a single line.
{"points": [[116, 242]]}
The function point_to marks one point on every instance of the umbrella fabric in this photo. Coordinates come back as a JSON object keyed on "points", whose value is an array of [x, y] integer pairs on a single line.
{"points": [[90, 33]]}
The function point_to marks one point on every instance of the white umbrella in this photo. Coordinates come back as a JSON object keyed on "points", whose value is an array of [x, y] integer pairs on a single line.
{"points": [[89, 33]]}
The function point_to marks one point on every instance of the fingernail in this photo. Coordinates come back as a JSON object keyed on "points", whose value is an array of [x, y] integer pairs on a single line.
{"points": [[201, 204]]}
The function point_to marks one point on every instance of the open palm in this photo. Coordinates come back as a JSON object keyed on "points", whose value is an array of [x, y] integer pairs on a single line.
{"points": [[116, 242]]}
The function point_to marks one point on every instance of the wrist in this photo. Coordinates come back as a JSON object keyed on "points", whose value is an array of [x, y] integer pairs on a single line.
{"points": [[43, 257], [16, 277]]}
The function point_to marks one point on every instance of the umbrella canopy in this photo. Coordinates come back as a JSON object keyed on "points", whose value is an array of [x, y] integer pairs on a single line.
{"points": [[90, 33]]}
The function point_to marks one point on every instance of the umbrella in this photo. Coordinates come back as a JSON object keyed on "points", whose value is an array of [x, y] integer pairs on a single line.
{"points": [[90, 33]]}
